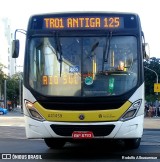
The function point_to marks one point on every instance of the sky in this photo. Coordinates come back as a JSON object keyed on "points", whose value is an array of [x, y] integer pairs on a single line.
{"points": [[19, 11]]}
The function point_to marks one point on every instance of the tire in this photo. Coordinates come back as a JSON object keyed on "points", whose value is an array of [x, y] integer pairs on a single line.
{"points": [[54, 143], [132, 143]]}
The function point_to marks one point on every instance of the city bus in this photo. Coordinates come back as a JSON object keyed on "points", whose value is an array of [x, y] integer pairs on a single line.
{"points": [[83, 77]]}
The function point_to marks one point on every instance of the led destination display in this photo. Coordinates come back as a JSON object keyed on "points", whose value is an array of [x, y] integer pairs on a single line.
{"points": [[69, 23]]}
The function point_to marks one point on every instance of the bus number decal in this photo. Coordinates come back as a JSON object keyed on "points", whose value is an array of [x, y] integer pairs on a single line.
{"points": [[73, 69], [54, 115]]}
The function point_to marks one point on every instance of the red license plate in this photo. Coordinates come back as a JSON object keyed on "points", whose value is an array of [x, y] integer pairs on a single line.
{"points": [[82, 135]]}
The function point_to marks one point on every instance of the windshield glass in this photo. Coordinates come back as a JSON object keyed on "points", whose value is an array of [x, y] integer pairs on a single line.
{"points": [[83, 66]]}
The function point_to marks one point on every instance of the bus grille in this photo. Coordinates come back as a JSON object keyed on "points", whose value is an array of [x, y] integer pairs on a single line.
{"points": [[76, 106], [67, 130]]}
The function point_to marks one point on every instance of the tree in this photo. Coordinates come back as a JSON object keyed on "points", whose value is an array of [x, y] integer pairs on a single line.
{"points": [[150, 77], [2, 75], [13, 88], [12, 85]]}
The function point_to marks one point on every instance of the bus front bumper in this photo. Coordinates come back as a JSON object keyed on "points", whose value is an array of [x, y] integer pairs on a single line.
{"points": [[129, 129]]}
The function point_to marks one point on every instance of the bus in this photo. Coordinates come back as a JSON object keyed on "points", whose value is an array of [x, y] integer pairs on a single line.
{"points": [[83, 77]]}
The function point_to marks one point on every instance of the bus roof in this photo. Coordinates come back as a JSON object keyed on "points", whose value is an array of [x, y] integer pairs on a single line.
{"points": [[85, 13]]}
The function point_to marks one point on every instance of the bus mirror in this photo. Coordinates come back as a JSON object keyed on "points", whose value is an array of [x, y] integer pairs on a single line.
{"points": [[146, 51], [15, 48]]}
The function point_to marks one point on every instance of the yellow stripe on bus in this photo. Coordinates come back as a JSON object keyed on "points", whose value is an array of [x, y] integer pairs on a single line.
{"points": [[82, 116]]}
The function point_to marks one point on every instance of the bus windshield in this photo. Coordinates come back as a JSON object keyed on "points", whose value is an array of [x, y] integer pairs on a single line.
{"points": [[83, 66]]}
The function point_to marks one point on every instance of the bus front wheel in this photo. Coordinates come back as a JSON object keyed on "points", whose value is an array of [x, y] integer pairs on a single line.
{"points": [[54, 143], [132, 143]]}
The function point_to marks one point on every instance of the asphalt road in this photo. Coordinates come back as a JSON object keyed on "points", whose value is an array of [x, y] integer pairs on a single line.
{"points": [[109, 151]]}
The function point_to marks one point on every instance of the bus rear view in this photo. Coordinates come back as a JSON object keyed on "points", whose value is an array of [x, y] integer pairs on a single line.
{"points": [[83, 78]]}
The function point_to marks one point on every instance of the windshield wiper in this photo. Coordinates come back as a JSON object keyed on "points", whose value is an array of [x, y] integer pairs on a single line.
{"points": [[92, 53], [59, 52], [106, 50], [94, 47]]}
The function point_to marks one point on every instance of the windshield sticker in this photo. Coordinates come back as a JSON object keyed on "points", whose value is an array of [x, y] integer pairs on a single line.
{"points": [[88, 80], [65, 79], [74, 69]]}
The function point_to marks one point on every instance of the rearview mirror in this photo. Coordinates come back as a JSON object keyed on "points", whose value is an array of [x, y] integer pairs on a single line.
{"points": [[15, 48], [146, 51]]}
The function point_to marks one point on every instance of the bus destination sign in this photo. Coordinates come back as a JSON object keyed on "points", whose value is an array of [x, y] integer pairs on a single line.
{"points": [[84, 23]]}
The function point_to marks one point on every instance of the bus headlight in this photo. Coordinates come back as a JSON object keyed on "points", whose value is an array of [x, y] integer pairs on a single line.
{"points": [[33, 112], [132, 111]]}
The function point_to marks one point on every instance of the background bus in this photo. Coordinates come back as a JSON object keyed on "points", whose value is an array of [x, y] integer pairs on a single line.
{"points": [[83, 77]]}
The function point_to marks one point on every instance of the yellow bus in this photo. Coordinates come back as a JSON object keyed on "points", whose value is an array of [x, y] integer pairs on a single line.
{"points": [[83, 77]]}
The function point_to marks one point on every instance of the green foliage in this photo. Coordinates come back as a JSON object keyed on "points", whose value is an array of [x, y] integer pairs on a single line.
{"points": [[12, 89], [12, 85], [150, 77], [2, 75]]}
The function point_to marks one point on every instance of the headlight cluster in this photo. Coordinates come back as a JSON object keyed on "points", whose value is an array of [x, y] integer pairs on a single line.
{"points": [[132, 111], [33, 112]]}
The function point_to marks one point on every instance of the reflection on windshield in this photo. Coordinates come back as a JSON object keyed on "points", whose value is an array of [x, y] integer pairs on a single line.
{"points": [[83, 66]]}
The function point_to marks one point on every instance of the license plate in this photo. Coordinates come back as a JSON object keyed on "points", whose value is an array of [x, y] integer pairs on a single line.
{"points": [[82, 135]]}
